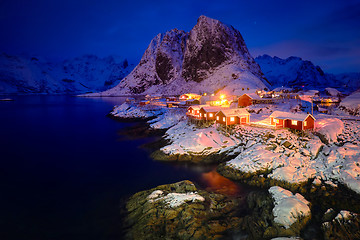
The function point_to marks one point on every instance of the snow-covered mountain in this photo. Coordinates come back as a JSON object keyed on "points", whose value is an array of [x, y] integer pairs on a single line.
{"points": [[297, 73], [79, 75], [210, 57]]}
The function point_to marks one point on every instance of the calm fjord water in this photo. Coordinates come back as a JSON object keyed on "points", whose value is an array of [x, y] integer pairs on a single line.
{"points": [[64, 168]]}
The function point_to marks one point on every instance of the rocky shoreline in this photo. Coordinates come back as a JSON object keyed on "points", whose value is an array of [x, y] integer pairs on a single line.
{"points": [[257, 222]]}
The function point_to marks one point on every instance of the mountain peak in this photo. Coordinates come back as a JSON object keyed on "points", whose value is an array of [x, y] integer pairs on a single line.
{"points": [[211, 56]]}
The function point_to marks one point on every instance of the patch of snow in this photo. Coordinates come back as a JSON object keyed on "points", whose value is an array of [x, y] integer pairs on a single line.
{"points": [[345, 215], [175, 199], [288, 207], [155, 194]]}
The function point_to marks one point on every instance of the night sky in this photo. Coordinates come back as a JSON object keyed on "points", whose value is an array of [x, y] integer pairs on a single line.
{"points": [[326, 32]]}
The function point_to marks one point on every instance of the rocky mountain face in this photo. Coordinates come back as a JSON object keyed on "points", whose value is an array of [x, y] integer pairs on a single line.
{"points": [[211, 56], [89, 73], [297, 73]]}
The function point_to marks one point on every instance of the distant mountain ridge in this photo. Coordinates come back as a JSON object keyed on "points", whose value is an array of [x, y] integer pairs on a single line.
{"points": [[295, 72], [210, 57], [33, 75]]}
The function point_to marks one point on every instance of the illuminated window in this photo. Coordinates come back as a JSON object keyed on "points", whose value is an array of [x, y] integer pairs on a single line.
{"points": [[293, 122], [305, 124], [224, 119], [200, 114], [189, 110], [277, 120], [217, 118], [232, 119], [205, 115], [210, 115]]}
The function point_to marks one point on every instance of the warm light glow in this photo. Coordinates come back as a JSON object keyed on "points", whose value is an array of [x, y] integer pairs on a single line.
{"points": [[200, 114], [293, 122], [205, 94], [232, 119], [217, 183], [277, 120], [305, 124], [224, 119], [222, 96], [217, 118], [210, 115], [204, 114]]}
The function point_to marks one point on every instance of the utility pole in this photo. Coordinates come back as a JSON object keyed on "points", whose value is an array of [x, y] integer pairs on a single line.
{"points": [[312, 108]]}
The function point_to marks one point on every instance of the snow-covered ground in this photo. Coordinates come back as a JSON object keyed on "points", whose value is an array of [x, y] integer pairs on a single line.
{"points": [[188, 139], [127, 110], [352, 103], [288, 207], [288, 156]]}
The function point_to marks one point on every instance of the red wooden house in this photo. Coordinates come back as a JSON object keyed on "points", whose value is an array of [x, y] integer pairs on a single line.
{"points": [[248, 99], [208, 112], [194, 112], [298, 121], [233, 116]]}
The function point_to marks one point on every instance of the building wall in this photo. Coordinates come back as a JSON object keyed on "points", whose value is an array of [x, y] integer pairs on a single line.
{"points": [[288, 124], [202, 111], [244, 101], [310, 123], [273, 122]]}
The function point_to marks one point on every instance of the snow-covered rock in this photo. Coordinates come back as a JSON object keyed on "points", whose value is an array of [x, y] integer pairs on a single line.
{"points": [[20, 74], [288, 207], [330, 128], [130, 111], [210, 57], [175, 199], [352, 103]]}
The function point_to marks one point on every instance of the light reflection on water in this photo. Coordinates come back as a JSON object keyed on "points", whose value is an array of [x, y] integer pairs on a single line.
{"points": [[219, 184]]}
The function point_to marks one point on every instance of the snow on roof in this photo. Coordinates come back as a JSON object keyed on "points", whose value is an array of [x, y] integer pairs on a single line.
{"points": [[253, 96], [291, 116], [192, 100], [212, 108], [234, 111], [197, 107]]}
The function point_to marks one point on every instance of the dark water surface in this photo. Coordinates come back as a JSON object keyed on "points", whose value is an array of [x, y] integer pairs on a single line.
{"points": [[64, 169]]}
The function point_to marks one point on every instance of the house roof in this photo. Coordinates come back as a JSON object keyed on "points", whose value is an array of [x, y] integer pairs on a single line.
{"points": [[211, 108], [253, 96], [197, 107], [234, 112], [290, 116]]}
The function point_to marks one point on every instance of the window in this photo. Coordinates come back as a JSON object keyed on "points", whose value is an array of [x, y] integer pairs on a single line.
{"points": [[189, 110], [200, 114], [210, 115], [305, 124], [217, 118], [204, 114], [277, 121], [224, 119], [232, 119], [293, 122]]}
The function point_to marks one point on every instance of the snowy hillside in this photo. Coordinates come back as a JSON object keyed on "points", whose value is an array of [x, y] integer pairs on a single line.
{"points": [[211, 56], [79, 75], [294, 72]]}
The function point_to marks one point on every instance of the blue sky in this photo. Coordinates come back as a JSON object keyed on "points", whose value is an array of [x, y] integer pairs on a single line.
{"points": [[325, 32]]}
